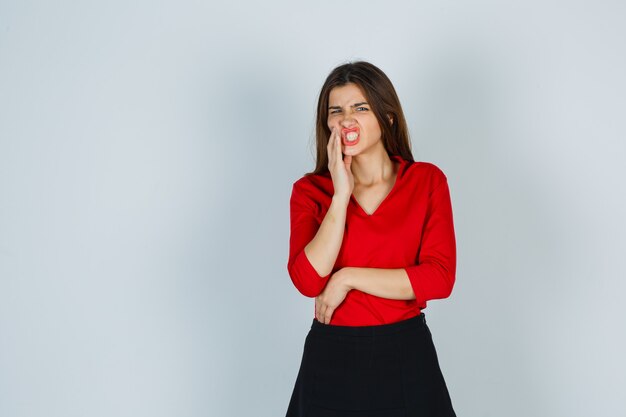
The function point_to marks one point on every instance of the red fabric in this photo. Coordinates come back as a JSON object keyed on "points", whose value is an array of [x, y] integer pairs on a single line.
{"points": [[412, 229]]}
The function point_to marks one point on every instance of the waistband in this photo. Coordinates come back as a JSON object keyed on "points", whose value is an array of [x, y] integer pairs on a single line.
{"points": [[417, 321]]}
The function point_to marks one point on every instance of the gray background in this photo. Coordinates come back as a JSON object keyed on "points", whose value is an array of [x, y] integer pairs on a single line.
{"points": [[147, 152]]}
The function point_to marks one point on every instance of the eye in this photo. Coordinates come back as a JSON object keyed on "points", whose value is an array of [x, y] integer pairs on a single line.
{"points": [[335, 111], [362, 109]]}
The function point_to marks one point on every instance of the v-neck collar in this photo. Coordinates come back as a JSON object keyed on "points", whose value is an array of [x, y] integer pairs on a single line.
{"points": [[393, 188]]}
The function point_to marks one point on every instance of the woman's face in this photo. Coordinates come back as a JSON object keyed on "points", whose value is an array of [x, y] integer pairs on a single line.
{"points": [[351, 115]]}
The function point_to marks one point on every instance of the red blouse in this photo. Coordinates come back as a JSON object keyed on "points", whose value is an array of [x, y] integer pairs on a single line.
{"points": [[412, 228]]}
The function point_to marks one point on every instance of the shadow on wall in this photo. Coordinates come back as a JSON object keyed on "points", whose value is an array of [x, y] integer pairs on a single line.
{"points": [[510, 231], [249, 230]]}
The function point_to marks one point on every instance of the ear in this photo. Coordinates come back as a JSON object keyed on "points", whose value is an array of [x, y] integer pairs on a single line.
{"points": [[390, 117]]}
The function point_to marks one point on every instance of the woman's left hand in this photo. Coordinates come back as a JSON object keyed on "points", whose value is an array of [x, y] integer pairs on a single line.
{"points": [[332, 296]]}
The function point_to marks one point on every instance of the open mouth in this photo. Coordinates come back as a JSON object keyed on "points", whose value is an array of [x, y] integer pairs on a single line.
{"points": [[350, 137]]}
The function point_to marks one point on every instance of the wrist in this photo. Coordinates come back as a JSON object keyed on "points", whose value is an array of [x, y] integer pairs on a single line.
{"points": [[341, 199], [347, 278]]}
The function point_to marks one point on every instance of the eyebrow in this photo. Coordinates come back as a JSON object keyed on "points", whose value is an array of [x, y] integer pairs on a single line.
{"points": [[354, 105]]}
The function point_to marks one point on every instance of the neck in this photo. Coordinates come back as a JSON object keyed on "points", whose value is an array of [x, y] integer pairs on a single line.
{"points": [[370, 169]]}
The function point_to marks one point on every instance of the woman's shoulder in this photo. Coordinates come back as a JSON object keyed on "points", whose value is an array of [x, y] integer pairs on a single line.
{"points": [[314, 184], [313, 180], [426, 169]]}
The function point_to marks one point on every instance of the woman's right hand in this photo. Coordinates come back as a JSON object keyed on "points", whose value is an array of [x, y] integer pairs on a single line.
{"points": [[339, 167]]}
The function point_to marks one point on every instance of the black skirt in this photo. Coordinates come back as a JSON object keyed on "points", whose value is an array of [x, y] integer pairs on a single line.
{"points": [[389, 370]]}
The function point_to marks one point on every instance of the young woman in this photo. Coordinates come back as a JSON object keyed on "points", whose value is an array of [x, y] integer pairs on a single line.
{"points": [[372, 239]]}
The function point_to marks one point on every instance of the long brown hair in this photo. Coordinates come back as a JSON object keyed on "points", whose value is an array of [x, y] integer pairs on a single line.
{"points": [[383, 100]]}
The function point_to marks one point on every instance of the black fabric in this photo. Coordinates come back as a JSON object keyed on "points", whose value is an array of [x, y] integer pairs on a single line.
{"points": [[389, 370]]}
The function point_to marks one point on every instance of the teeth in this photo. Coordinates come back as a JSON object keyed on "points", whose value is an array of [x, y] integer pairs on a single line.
{"points": [[351, 137]]}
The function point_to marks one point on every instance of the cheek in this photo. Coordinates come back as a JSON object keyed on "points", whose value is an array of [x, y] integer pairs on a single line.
{"points": [[374, 126]]}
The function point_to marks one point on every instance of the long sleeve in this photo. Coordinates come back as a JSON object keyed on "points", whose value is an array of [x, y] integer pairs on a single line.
{"points": [[434, 274], [304, 227]]}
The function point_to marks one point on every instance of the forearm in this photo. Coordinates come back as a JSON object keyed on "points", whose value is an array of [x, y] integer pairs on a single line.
{"points": [[323, 249], [382, 282]]}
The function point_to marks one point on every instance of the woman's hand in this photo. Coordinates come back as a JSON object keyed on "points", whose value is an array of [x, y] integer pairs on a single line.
{"points": [[339, 167], [333, 295]]}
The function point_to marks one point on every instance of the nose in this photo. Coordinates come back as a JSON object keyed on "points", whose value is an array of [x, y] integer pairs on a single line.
{"points": [[347, 121]]}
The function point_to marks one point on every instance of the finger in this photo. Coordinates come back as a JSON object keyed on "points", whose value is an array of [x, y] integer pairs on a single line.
{"points": [[338, 136], [317, 309], [327, 315], [330, 147], [322, 313]]}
